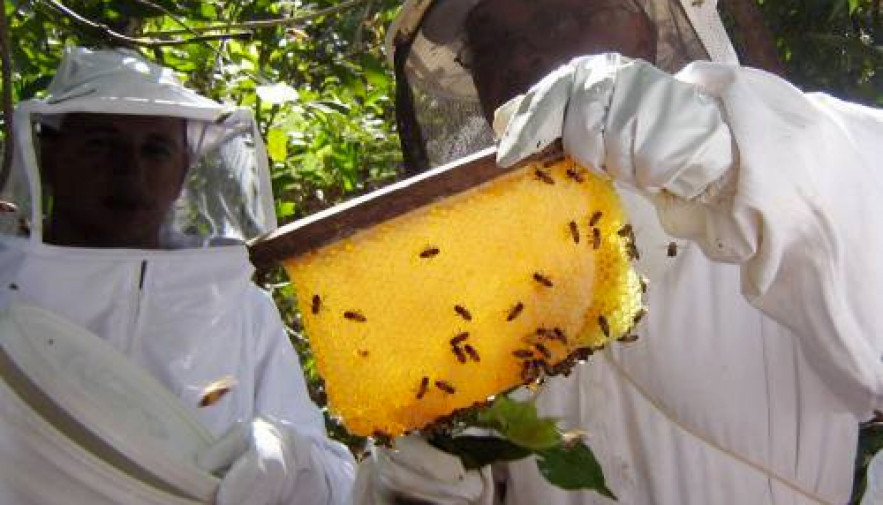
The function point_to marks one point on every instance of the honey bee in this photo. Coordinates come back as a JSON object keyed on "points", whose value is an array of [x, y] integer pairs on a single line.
{"points": [[522, 353], [216, 390], [529, 371], [573, 174], [446, 387], [596, 238], [583, 353], [643, 281], [542, 279], [543, 350], [363, 353], [473, 354], [532, 370], [459, 309], [626, 231], [354, 316], [640, 315], [559, 335], [605, 327], [672, 249], [424, 387], [543, 176], [461, 357], [515, 311], [627, 339], [595, 218], [316, 305], [429, 252], [459, 338], [574, 232], [382, 438], [632, 251]]}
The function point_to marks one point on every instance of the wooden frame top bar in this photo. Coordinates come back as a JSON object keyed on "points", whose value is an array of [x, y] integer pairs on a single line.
{"points": [[363, 212]]}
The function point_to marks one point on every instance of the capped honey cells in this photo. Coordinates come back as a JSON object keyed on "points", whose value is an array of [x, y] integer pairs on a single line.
{"points": [[469, 297]]}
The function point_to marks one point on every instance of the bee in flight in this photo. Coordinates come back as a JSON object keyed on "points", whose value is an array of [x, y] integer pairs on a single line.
{"points": [[214, 391]]}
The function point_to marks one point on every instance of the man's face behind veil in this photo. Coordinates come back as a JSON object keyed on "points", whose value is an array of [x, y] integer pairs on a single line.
{"points": [[112, 178], [512, 44]]}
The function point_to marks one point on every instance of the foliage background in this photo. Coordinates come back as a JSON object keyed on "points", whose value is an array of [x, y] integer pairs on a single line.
{"points": [[322, 91]]}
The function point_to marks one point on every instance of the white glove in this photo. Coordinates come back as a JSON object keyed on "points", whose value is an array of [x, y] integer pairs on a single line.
{"points": [[261, 460], [654, 134], [414, 470], [624, 117], [874, 481]]}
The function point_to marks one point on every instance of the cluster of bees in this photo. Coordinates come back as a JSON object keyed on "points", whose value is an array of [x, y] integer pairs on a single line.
{"points": [[537, 355], [541, 346]]}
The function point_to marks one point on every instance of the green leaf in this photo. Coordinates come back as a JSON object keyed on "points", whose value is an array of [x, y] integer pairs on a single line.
{"points": [[284, 209], [476, 452], [573, 467], [376, 72], [520, 423], [277, 144], [207, 10]]}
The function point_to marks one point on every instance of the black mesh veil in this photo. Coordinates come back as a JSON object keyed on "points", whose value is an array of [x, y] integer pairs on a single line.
{"points": [[439, 114]]}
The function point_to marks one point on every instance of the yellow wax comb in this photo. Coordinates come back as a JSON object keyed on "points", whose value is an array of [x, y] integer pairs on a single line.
{"points": [[447, 304]]}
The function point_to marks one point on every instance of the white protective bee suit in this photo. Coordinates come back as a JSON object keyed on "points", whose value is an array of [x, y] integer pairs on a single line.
{"points": [[761, 352], [188, 315]]}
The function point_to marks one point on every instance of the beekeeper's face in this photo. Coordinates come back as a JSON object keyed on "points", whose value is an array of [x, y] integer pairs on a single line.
{"points": [[112, 178], [512, 44]]}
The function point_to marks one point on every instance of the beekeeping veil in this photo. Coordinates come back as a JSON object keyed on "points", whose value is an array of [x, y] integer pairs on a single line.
{"points": [[226, 194], [427, 43]]}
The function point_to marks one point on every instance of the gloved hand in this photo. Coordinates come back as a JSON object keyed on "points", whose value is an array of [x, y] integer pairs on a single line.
{"points": [[624, 117], [261, 460], [874, 481], [416, 472]]}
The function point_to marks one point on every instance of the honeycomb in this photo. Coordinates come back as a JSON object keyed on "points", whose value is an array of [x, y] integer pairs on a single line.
{"points": [[443, 307]]}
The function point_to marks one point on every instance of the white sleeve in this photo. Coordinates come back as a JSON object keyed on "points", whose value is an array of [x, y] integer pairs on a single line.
{"points": [[281, 394], [802, 213]]}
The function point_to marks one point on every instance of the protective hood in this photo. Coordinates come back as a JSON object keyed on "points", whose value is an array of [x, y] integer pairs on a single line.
{"points": [[445, 101], [686, 29], [226, 195]]}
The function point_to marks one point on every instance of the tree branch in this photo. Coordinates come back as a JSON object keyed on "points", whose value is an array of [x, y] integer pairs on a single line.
{"points": [[756, 38], [264, 23], [139, 41], [8, 141], [196, 36], [174, 17]]}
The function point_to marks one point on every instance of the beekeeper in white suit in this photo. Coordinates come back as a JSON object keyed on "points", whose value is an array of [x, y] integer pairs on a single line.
{"points": [[138, 195], [762, 349]]}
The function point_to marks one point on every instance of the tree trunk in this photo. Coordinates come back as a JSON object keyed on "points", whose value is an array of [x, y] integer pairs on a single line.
{"points": [[756, 39]]}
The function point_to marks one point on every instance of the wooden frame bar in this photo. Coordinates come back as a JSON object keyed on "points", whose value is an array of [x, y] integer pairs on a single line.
{"points": [[343, 220], [360, 213]]}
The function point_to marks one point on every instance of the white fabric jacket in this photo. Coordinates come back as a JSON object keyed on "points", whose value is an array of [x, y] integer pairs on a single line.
{"points": [[189, 317], [719, 402], [751, 374]]}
